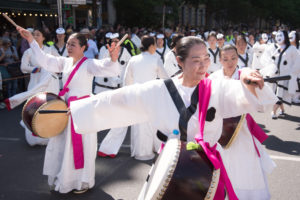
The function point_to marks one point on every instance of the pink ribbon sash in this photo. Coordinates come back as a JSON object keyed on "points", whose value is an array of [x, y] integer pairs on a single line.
{"points": [[76, 138], [211, 152], [65, 88]]}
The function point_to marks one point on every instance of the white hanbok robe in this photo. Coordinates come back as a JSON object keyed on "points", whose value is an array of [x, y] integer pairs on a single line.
{"points": [[140, 69], [42, 81], [288, 65], [214, 66], [162, 52], [171, 65], [246, 170], [59, 162], [151, 102]]}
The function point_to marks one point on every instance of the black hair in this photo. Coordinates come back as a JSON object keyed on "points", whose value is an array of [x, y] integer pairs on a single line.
{"points": [[184, 45], [45, 35], [228, 47], [286, 38], [81, 38], [211, 34], [175, 39], [146, 42]]}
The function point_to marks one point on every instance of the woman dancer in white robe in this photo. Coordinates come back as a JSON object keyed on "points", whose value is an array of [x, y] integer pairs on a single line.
{"points": [[67, 169], [151, 101], [213, 51], [294, 40], [246, 168], [40, 81], [245, 58]]}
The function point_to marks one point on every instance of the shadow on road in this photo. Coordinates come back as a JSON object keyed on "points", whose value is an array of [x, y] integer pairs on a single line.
{"points": [[264, 128], [276, 144], [290, 118]]}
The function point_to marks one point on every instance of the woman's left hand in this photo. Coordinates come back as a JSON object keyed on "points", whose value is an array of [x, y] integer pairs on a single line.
{"points": [[113, 51], [252, 78]]}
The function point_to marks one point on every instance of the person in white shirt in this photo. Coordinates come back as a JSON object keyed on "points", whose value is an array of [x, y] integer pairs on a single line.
{"points": [[245, 59], [214, 53], [294, 40], [258, 50], [161, 48]]}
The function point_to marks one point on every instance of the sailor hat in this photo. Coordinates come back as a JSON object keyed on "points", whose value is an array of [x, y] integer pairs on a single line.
{"points": [[152, 34], [60, 31], [30, 30], [160, 36], [220, 36], [108, 35], [114, 35]]}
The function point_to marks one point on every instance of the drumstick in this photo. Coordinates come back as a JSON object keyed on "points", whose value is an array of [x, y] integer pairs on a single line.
{"points": [[122, 40], [272, 79], [52, 111], [9, 19]]}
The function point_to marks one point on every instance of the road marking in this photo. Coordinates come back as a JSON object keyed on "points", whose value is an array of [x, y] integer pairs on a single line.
{"points": [[9, 139], [285, 158]]}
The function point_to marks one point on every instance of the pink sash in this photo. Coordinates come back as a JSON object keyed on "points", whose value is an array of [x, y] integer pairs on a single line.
{"points": [[76, 138], [255, 130], [211, 152]]}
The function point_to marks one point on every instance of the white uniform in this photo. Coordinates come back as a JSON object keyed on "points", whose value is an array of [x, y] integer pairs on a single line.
{"points": [[246, 170], [171, 65], [245, 60], [214, 60], [59, 162], [42, 81], [55, 51], [109, 83], [285, 61], [258, 50], [142, 68], [112, 142], [162, 52], [152, 103]]}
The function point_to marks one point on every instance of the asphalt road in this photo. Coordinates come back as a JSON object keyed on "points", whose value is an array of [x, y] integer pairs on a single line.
{"points": [[122, 177]]}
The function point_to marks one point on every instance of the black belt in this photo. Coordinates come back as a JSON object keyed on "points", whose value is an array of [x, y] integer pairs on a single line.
{"points": [[108, 87]]}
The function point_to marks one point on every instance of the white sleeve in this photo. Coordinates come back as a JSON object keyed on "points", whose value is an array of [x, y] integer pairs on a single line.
{"points": [[26, 67], [161, 72], [112, 109], [235, 99], [103, 67], [47, 61], [128, 75]]}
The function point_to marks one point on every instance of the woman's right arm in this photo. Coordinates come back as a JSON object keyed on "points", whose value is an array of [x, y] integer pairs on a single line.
{"points": [[26, 67]]}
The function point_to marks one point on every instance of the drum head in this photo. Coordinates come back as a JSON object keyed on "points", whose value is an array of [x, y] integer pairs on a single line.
{"points": [[166, 163], [50, 125]]}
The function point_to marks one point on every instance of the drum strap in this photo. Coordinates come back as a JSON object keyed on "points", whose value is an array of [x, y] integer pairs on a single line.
{"points": [[185, 113]]}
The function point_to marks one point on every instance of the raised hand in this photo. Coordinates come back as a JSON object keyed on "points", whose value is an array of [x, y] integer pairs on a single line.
{"points": [[113, 51], [25, 34]]}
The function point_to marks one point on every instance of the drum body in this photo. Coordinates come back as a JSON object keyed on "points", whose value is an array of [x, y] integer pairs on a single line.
{"points": [[181, 174], [231, 128], [45, 125]]}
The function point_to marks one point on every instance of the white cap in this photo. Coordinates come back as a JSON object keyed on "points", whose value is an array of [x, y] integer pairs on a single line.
{"points": [[85, 31], [206, 34], [213, 32], [114, 35], [274, 32], [108, 35], [264, 37], [152, 34], [220, 36], [199, 36], [193, 31], [60, 31], [160, 36], [30, 30]]}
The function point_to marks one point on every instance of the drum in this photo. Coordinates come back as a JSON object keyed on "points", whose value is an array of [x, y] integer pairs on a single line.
{"points": [[45, 125], [181, 174], [231, 128]]}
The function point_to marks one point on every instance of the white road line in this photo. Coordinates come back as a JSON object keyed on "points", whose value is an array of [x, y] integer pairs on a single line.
{"points": [[9, 139], [297, 159]]}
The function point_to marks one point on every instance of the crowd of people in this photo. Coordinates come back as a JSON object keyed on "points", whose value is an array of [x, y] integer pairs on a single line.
{"points": [[120, 89]]}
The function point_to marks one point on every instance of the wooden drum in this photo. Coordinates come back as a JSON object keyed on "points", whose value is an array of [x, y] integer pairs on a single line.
{"points": [[49, 124], [181, 174]]}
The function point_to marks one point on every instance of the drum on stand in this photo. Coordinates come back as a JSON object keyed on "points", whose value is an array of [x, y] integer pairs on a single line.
{"points": [[181, 174], [49, 124]]}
